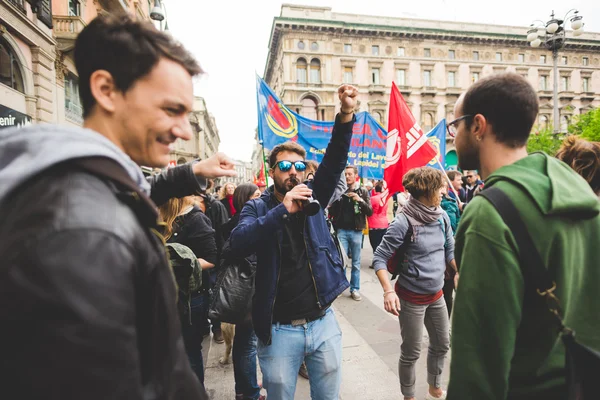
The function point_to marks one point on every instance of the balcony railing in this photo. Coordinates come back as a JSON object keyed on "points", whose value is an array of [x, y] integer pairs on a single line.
{"points": [[376, 88], [73, 112], [588, 95], [67, 27], [566, 94], [20, 4]]}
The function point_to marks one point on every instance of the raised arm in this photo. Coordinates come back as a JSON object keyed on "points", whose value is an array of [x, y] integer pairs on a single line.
{"points": [[336, 155]]}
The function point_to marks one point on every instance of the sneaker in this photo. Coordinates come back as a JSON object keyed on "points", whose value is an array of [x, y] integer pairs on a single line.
{"points": [[430, 397], [218, 337], [303, 372], [356, 295]]}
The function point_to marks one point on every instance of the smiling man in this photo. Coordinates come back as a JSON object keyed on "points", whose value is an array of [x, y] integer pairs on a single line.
{"points": [[88, 297]]}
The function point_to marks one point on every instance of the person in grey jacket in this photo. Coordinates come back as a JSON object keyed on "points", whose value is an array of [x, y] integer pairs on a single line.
{"points": [[424, 231]]}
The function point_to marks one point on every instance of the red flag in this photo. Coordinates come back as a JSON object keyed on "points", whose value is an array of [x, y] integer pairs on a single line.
{"points": [[407, 144], [261, 181]]}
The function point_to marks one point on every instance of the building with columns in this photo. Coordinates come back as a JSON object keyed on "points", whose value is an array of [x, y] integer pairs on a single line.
{"points": [[312, 50], [38, 79], [205, 140], [27, 52]]}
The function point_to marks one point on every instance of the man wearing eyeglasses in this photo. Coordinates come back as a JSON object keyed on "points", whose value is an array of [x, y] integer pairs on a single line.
{"points": [[299, 271], [505, 340]]}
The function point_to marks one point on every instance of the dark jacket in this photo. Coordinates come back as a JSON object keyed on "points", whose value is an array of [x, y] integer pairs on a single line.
{"points": [[360, 220], [217, 213], [225, 203], [260, 230], [88, 300], [195, 231]]}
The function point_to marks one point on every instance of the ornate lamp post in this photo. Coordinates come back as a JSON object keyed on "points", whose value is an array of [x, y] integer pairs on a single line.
{"points": [[554, 38]]}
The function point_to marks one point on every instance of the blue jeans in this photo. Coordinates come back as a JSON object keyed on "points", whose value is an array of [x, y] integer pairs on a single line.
{"points": [[319, 343], [352, 240], [192, 335], [244, 362]]}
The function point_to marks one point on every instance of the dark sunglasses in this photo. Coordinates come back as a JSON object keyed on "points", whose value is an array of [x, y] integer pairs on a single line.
{"points": [[451, 126], [285, 166]]}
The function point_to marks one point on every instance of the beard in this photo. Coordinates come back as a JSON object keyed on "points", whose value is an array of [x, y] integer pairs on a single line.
{"points": [[286, 185], [467, 151]]}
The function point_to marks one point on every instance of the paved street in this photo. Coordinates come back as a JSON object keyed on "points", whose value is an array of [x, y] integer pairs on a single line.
{"points": [[371, 348]]}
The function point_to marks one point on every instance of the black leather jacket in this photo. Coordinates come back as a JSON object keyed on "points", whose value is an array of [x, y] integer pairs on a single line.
{"points": [[87, 300]]}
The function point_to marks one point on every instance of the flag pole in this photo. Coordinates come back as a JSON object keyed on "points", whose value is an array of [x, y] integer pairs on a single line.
{"points": [[265, 163], [447, 178]]}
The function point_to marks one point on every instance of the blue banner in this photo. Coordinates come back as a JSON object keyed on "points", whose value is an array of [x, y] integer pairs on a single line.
{"points": [[437, 137], [278, 124]]}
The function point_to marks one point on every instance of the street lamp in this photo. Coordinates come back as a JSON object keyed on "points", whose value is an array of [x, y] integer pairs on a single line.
{"points": [[157, 12], [554, 39]]}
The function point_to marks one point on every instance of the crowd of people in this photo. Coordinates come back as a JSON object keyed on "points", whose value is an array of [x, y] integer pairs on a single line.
{"points": [[90, 308]]}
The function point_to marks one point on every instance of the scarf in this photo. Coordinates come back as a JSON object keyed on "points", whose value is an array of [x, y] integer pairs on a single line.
{"points": [[418, 214], [231, 207]]}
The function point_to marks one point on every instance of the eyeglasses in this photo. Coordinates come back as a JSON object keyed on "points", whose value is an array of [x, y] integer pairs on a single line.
{"points": [[285, 166], [451, 127]]}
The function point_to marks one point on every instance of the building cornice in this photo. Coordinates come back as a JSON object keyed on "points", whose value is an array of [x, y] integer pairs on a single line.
{"points": [[283, 25]]}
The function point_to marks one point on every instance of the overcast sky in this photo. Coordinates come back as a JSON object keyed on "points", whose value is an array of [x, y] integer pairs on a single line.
{"points": [[230, 40]]}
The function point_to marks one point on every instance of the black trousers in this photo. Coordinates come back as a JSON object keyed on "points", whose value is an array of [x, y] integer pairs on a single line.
{"points": [[375, 237], [448, 289]]}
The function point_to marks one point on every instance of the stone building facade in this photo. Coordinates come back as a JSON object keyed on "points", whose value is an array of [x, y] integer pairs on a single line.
{"points": [[38, 80], [27, 53], [205, 141], [312, 50]]}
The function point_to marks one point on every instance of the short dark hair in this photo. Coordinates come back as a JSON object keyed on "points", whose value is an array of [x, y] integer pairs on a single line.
{"points": [[242, 194], [128, 49], [452, 175], [287, 146], [508, 102]]}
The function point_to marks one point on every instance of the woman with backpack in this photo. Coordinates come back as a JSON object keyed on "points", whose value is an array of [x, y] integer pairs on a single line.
{"points": [[186, 224], [417, 247], [244, 342]]}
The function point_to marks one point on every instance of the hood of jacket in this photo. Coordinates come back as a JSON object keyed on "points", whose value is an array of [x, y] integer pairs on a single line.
{"points": [[552, 185], [25, 152]]}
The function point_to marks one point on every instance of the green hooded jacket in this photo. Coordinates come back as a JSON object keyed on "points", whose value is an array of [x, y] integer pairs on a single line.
{"points": [[505, 342]]}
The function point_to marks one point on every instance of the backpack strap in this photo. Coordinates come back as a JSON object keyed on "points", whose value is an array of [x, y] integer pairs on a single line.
{"points": [[407, 239], [444, 227], [530, 261], [108, 168]]}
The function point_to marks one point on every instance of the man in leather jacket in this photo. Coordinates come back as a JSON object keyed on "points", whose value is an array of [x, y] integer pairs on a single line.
{"points": [[88, 299]]}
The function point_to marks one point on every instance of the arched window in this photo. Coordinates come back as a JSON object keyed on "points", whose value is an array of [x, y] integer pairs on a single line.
{"points": [[378, 117], [564, 123], [10, 70], [315, 71], [309, 108], [427, 122], [301, 70], [543, 122]]}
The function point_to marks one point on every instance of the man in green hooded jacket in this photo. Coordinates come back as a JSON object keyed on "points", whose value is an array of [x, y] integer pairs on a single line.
{"points": [[505, 342]]}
